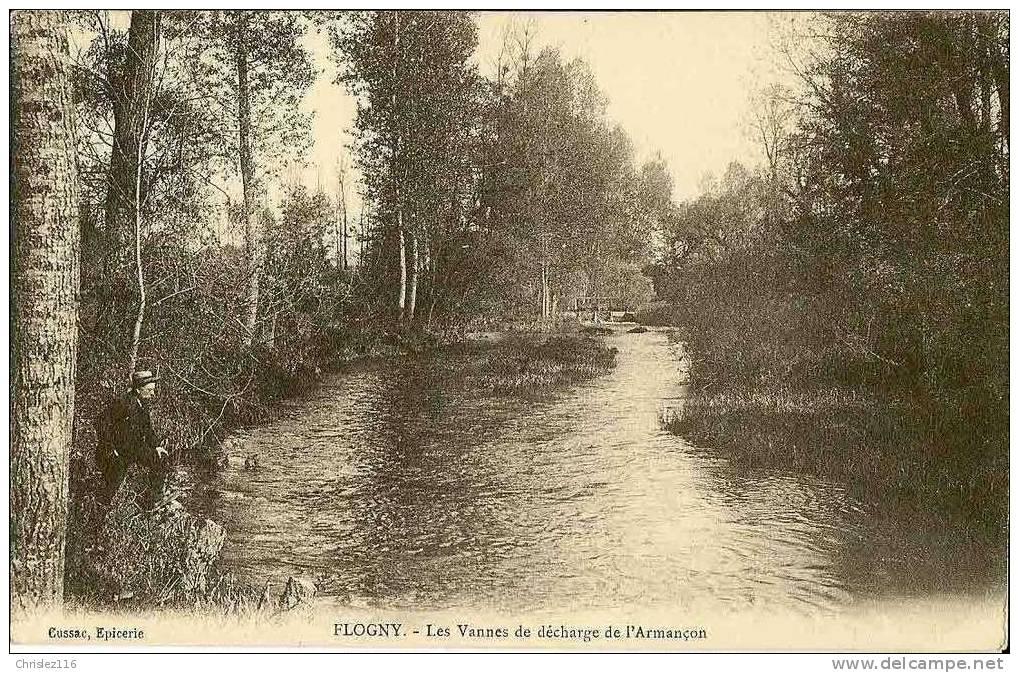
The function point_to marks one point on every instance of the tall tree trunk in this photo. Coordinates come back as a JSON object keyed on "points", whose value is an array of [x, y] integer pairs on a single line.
{"points": [[397, 162], [345, 229], [544, 289], [339, 248], [402, 299], [44, 311], [412, 267], [132, 92], [139, 166], [361, 236], [252, 237], [139, 269], [341, 220]]}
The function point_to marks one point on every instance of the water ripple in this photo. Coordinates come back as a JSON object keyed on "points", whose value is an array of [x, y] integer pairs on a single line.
{"points": [[386, 487]]}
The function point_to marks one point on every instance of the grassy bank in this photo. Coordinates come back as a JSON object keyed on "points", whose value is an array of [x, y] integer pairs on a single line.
{"points": [[525, 364], [933, 452], [946, 456], [142, 558]]}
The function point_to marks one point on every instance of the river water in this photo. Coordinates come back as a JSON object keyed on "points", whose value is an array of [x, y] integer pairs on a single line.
{"points": [[387, 487]]}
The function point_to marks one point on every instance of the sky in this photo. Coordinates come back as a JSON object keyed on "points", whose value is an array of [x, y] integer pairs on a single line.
{"points": [[678, 82]]}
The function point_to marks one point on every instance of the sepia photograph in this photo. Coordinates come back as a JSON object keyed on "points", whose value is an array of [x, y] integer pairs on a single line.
{"points": [[394, 329]]}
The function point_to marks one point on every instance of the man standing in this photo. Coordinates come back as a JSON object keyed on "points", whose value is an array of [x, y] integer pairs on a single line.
{"points": [[125, 437]]}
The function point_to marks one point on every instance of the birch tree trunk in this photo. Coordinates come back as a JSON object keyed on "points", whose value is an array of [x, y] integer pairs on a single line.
{"points": [[413, 269], [397, 141], [341, 217], [148, 76], [544, 282], [44, 310], [402, 299], [252, 238], [343, 201], [140, 270]]}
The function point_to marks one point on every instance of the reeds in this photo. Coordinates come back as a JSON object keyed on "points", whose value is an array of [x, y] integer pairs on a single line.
{"points": [[945, 458]]}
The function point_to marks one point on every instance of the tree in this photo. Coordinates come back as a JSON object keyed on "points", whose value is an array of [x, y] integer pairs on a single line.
{"points": [[131, 86], [132, 89], [44, 280], [341, 233], [560, 182], [874, 242], [252, 238], [524, 185], [907, 200], [153, 90], [263, 71], [368, 48], [144, 40], [417, 94]]}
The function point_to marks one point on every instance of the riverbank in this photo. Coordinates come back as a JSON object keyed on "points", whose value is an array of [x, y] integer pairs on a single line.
{"points": [[783, 379], [140, 558], [946, 458]]}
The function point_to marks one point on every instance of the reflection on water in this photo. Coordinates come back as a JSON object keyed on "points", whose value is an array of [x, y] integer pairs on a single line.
{"points": [[389, 486]]}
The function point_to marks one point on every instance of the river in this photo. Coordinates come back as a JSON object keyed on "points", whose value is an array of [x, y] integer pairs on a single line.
{"points": [[385, 487]]}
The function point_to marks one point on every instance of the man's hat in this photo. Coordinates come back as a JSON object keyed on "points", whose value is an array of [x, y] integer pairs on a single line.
{"points": [[143, 378]]}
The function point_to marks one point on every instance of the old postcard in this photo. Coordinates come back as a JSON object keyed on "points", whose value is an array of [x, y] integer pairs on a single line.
{"points": [[394, 329]]}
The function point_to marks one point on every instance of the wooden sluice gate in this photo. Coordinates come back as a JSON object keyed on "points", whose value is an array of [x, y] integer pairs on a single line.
{"points": [[602, 309]]}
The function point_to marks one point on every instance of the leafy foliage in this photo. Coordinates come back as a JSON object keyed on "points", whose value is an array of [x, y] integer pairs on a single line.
{"points": [[870, 255]]}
